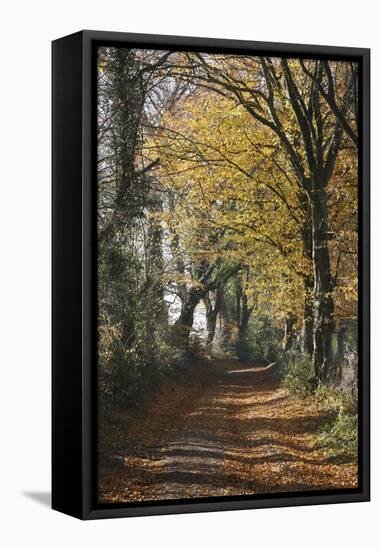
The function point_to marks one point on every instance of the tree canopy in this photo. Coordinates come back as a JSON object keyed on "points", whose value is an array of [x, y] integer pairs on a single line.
{"points": [[227, 207]]}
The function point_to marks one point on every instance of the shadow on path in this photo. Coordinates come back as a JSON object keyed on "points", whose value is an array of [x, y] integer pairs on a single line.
{"points": [[244, 435]]}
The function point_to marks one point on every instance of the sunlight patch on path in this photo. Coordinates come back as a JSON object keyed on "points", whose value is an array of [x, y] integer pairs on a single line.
{"points": [[243, 435]]}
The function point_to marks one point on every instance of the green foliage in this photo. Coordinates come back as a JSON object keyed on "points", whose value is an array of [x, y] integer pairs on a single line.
{"points": [[134, 349], [340, 434], [297, 373], [131, 372], [337, 399], [262, 341]]}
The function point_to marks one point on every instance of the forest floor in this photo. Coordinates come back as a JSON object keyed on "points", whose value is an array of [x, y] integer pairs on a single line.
{"points": [[228, 430]]}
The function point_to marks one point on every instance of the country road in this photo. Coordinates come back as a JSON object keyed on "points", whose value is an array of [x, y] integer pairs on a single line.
{"points": [[235, 433]]}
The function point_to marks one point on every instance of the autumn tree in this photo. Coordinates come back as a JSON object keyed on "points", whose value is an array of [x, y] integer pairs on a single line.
{"points": [[225, 182], [281, 96], [133, 317]]}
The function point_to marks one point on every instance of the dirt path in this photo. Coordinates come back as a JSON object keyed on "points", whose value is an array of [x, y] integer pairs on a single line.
{"points": [[234, 433]]}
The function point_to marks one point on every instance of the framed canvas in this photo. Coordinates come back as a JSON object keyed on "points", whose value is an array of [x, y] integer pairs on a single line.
{"points": [[210, 275]]}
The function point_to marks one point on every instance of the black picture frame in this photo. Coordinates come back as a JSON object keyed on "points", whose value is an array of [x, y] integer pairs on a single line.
{"points": [[74, 275]]}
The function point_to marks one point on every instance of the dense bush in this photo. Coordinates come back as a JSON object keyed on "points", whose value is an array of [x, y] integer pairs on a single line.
{"points": [[125, 375], [340, 434], [297, 372], [134, 350]]}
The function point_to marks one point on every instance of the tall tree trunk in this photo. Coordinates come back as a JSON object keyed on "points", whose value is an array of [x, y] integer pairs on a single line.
{"points": [[341, 340], [183, 325], [124, 144], [289, 332], [307, 332], [339, 358], [153, 289], [243, 323], [212, 311], [323, 285], [307, 329], [225, 318], [179, 263], [209, 277]]}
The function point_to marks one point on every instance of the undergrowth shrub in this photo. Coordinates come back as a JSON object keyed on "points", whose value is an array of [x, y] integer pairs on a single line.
{"points": [[297, 373], [339, 435], [126, 374]]}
